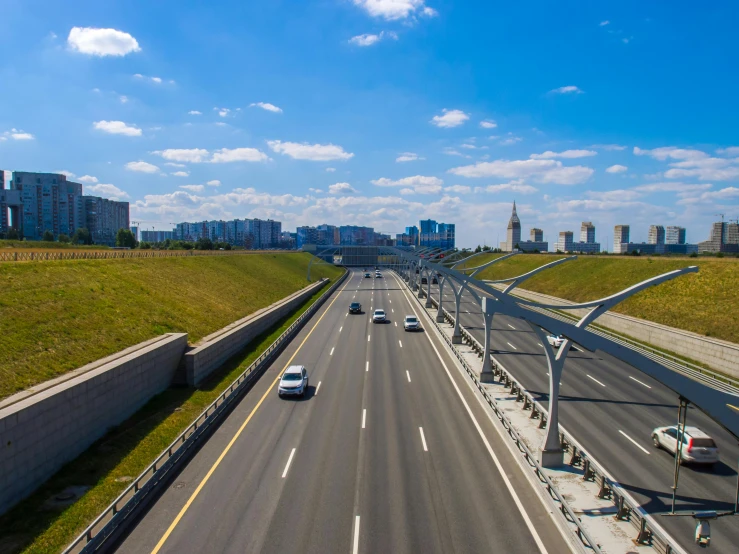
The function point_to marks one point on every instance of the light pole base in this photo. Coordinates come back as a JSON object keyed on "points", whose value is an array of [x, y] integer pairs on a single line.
{"points": [[486, 377], [428, 302], [456, 339], [439, 318], [552, 458]]}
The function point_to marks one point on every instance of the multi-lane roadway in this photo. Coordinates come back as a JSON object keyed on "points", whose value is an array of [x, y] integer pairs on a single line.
{"points": [[611, 408], [389, 452]]}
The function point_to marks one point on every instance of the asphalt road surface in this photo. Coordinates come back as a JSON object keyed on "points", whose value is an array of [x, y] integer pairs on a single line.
{"points": [[611, 409], [389, 452]]}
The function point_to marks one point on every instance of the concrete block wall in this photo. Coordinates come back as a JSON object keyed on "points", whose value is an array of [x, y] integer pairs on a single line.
{"points": [[723, 356], [45, 427], [213, 351]]}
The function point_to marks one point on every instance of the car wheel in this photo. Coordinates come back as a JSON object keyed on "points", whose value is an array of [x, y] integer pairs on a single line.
{"points": [[655, 441]]}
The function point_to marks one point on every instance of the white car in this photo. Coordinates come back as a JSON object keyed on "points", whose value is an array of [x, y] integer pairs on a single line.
{"points": [[379, 316], [378, 275], [555, 340], [294, 382], [697, 446], [411, 323]]}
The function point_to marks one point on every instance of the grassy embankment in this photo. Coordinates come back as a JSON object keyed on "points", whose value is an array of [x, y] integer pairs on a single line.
{"points": [[108, 466], [46, 246], [701, 302]]}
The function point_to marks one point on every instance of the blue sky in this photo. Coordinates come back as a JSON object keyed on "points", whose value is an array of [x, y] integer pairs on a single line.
{"points": [[382, 112]]}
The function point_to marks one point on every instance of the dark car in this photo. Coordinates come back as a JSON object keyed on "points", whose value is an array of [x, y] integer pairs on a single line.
{"points": [[355, 308], [424, 281], [434, 280]]}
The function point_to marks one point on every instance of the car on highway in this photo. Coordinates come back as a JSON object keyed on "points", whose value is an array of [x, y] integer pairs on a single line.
{"points": [[424, 281], [379, 316], [378, 275], [367, 275], [434, 280], [555, 340], [294, 382], [355, 308], [411, 323], [697, 446]]}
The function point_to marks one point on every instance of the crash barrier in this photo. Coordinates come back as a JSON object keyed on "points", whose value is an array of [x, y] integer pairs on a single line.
{"points": [[626, 508], [113, 521]]}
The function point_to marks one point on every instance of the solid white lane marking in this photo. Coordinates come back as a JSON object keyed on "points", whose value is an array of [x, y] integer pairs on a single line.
{"points": [[400, 343], [423, 440], [637, 380], [366, 366], [639, 446], [596, 380], [364, 417], [511, 326], [289, 461], [408, 375], [368, 338], [514, 348], [540, 344], [332, 351], [355, 546], [317, 388]]}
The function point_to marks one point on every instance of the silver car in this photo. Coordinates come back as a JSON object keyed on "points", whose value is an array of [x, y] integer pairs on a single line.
{"points": [[294, 382], [411, 323], [697, 446], [379, 316]]}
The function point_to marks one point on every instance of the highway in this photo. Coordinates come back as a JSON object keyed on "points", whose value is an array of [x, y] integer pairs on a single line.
{"points": [[611, 408], [389, 452]]}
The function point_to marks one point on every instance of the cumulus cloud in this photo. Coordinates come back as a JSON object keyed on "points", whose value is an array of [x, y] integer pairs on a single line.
{"points": [[450, 118], [193, 188], [510, 140], [117, 128], [194, 112], [266, 106], [143, 167], [617, 169], [604, 23], [181, 173], [155, 80], [488, 124], [370, 39], [225, 155], [614, 195], [123, 99], [341, 188], [693, 163], [415, 181], [173, 164], [111, 192], [17, 134], [408, 157], [569, 89], [514, 186], [452, 152], [567, 154], [730, 151], [313, 152], [458, 189], [191, 155], [87, 179], [609, 147], [685, 188], [214, 183], [391, 10], [223, 112], [68, 174], [728, 193], [540, 171], [672, 152], [101, 42]]}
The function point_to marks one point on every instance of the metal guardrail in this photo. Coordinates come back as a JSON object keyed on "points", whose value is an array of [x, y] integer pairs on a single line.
{"points": [[627, 509], [112, 520], [20, 256]]}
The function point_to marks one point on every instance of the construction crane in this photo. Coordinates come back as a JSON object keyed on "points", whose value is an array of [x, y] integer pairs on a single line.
{"points": [[720, 215]]}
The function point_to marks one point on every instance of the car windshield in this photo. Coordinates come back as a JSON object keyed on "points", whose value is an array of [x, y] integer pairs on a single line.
{"points": [[379, 312], [410, 319], [355, 305], [292, 377]]}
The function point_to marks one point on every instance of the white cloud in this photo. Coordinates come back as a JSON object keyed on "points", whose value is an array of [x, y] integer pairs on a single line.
{"points": [[111, 192], [514, 186], [341, 188], [68, 174], [214, 183], [488, 124], [458, 189], [317, 191], [540, 171], [450, 118], [223, 112], [123, 99], [672, 152], [468, 146], [452, 152], [567, 154], [101, 42], [510, 141], [172, 164], [408, 157], [617, 169], [194, 112], [730, 151], [313, 152], [604, 23], [693, 163], [16, 134], [407, 191], [609, 147], [330, 169], [191, 155], [415, 181], [569, 89], [673, 187], [155, 80], [193, 188], [266, 106], [143, 167], [391, 10], [181, 173], [728, 192], [221, 124], [117, 128], [614, 195], [705, 174], [370, 39], [238, 155], [88, 179]]}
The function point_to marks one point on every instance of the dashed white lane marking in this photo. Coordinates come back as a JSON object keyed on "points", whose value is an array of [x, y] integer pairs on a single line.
{"points": [[511, 326], [514, 348], [340, 328], [368, 338], [596, 380], [392, 310], [366, 366], [289, 461], [407, 374], [355, 546], [317, 388], [364, 417], [400, 343], [540, 344], [332, 351], [396, 323], [423, 440], [637, 380], [639, 446]]}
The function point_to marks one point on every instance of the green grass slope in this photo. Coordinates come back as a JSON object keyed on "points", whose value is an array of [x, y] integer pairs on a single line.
{"points": [[702, 302], [58, 316]]}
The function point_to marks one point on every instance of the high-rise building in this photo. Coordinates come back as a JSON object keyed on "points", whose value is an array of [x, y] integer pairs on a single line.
{"points": [[49, 203], [513, 233], [587, 232], [724, 238], [620, 236], [537, 235], [135, 231], [328, 235], [413, 233], [565, 242], [103, 218], [656, 234], [156, 236], [306, 235], [353, 235], [674, 235]]}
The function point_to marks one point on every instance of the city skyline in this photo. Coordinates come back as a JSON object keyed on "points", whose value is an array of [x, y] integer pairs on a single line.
{"points": [[386, 117]]}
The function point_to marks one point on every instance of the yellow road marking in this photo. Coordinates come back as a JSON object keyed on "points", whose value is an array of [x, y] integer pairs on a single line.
{"points": [[236, 436]]}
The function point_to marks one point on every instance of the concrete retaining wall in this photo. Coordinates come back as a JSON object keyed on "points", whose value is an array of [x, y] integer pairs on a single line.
{"points": [[720, 355], [212, 351], [44, 427]]}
